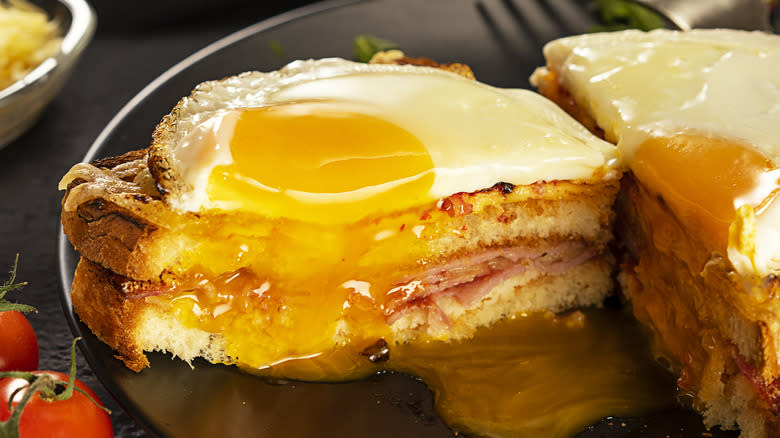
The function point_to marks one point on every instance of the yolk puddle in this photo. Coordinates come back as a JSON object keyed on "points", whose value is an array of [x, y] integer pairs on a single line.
{"points": [[702, 179], [525, 376], [321, 162], [538, 375], [528, 376]]}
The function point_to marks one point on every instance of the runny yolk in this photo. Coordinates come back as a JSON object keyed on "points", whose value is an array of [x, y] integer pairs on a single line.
{"points": [[703, 180], [295, 160], [321, 162]]}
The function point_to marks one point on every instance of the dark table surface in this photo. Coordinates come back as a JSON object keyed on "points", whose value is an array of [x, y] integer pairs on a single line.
{"points": [[130, 49]]}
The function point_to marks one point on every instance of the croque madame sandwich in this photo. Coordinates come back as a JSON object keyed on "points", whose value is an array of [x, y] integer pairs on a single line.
{"points": [[696, 117], [329, 204]]}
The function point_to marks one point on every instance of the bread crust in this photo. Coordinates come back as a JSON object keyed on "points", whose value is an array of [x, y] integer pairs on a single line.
{"points": [[112, 162], [108, 234], [726, 355], [111, 317]]}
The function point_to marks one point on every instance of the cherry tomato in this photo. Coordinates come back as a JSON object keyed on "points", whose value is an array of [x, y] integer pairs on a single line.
{"points": [[18, 344], [75, 417]]}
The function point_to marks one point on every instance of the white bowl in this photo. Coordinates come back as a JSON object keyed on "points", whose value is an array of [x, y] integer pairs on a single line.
{"points": [[22, 102]]}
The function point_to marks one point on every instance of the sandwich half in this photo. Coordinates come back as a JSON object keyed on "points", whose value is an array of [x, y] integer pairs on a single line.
{"points": [[333, 206], [696, 117]]}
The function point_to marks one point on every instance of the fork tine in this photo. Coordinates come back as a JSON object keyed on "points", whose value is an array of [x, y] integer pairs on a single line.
{"points": [[503, 41], [569, 14], [532, 19], [733, 14], [519, 25]]}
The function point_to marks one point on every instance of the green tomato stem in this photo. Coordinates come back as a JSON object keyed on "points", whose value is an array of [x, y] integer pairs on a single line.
{"points": [[46, 386], [8, 287], [10, 427]]}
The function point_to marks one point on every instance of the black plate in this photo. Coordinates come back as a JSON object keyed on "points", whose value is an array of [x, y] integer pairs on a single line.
{"points": [[502, 41]]}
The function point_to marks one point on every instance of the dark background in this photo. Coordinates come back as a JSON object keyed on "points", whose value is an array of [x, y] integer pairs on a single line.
{"points": [[135, 42]]}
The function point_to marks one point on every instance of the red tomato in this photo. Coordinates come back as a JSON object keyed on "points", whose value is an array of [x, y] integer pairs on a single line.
{"points": [[18, 345], [76, 417]]}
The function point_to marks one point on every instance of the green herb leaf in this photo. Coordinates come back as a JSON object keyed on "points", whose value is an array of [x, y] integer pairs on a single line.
{"points": [[366, 46], [71, 386], [625, 14], [276, 48]]}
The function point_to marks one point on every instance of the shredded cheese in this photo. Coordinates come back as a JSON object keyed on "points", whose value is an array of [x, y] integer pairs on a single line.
{"points": [[27, 38]]}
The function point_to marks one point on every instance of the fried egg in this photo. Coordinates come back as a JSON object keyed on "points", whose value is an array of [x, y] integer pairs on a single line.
{"points": [[332, 141], [696, 115]]}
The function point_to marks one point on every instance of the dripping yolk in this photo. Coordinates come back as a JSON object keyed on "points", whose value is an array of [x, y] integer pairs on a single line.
{"points": [[703, 179], [321, 162]]}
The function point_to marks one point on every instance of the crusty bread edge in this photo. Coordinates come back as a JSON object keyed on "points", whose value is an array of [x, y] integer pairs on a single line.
{"points": [[134, 326], [110, 316]]}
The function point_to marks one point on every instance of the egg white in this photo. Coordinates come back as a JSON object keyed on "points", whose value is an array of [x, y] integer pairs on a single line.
{"points": [[476, 135]]}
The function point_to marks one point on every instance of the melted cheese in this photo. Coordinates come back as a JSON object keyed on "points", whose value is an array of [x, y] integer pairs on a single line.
{"points": [[697, 117]]}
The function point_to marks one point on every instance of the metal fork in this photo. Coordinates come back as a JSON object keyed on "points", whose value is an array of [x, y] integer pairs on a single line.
{"points": [[733, 14], [546, 17]]}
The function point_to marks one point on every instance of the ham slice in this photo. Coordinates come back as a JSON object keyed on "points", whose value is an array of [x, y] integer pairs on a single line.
{"points": [[469, 279], [769, 391], [136, 290]]}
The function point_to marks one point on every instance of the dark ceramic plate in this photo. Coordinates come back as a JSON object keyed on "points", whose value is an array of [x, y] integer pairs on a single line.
{"points": [[502, 41]]}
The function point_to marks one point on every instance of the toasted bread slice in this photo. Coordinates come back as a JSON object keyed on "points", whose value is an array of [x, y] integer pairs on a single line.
{"points": [[699, 212], [134, 323], [113, 215], [533, 248], [130, 326]]}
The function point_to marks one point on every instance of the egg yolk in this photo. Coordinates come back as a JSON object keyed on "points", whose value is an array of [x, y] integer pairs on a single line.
{"points": [[704, 180], [321, 162]]}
